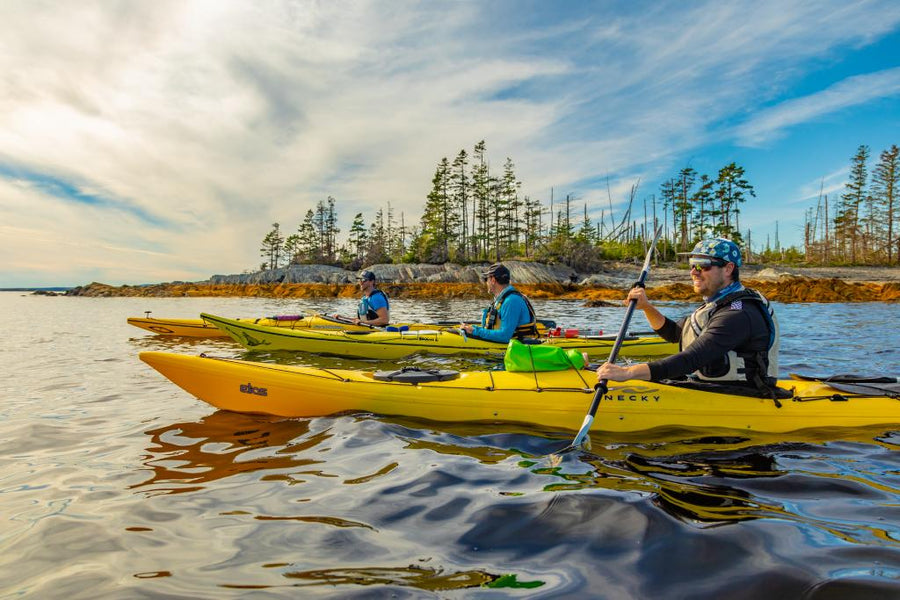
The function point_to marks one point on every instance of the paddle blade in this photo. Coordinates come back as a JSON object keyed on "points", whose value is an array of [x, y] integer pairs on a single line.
{"points": [[579, 440]]}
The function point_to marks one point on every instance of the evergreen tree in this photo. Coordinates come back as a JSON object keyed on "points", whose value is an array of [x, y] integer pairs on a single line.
{"points": [[358, 237], [847, 229], [512, 206], [481, 202], [271, 248], [438, 220], [533, 223], [331, 231], [683, 208], [586, 233], [291, 248], [460, 190], [702, 201], [308, 239], [885, 192], [668, 193], [376, 251], [731, 190]]}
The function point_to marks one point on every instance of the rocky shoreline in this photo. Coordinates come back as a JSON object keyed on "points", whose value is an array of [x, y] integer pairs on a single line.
{"points": [[666, 282]]}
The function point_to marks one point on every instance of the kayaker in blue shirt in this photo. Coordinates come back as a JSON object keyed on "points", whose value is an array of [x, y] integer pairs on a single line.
{"points": [[509, 315], [374, 308], [732, 338]]}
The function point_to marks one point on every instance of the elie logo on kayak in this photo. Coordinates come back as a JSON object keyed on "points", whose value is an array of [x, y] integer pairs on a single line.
{"points": [[632, 394], [247, 388]]}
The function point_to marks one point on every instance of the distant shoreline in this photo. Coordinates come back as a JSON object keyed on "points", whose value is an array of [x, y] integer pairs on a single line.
{"points": [[666, 282], [37, 289]]}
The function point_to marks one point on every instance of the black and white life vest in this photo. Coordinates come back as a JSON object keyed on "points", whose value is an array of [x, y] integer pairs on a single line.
{"points": [[492, 317], [733, 366]]}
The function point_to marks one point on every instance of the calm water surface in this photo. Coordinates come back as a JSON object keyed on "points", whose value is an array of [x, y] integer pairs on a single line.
{"points": [[116, 484]]}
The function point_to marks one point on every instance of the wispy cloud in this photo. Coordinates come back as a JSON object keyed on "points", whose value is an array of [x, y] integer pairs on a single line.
{"points": [[188, 128], [853, 91]]}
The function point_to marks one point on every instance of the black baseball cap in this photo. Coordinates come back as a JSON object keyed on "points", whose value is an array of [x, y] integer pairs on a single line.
{"points": [[366, 276]]}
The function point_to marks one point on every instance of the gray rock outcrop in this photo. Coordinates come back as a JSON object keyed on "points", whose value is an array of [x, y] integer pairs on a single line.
{"points": [[520, 271]]}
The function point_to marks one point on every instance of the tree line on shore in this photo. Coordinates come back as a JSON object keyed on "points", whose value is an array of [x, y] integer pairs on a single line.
{"points": [[474, 215]]}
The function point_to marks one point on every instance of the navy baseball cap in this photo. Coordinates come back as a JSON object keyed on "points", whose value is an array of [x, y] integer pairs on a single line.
{"points": [[497, 271]]}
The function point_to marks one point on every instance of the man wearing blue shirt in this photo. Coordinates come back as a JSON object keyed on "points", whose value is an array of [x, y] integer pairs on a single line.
{"points": [[374, 308], [509, 315]]}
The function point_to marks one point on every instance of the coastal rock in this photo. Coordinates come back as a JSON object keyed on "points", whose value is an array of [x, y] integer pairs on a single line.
{"points": [[522, 272], [291, 274], [425, 273], [769, 273]]}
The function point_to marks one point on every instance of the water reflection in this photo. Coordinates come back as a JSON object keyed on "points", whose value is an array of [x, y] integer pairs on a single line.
{"points": [[431, 580], [185, 456]]}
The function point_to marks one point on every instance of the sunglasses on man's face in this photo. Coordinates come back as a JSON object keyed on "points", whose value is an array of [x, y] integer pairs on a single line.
{"points": [[705, 264]]}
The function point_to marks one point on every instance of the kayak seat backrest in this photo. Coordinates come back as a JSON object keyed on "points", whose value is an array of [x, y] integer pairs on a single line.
{"points": [[416, 375]]}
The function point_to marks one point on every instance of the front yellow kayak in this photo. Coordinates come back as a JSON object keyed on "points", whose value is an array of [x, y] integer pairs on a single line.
{"points": [[387, 345], [555, 399]]}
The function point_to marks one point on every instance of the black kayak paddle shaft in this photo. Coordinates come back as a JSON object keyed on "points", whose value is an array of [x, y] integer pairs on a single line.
{"points": [[601, 388]]}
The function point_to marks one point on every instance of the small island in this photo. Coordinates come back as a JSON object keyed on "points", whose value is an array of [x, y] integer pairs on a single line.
{"points": [[667, 281]]}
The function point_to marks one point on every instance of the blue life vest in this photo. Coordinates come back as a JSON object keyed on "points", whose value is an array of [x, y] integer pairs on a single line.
{"points": [[365, 310]]}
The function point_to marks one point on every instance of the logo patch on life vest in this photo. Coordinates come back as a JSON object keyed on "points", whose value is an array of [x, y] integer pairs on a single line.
{"points": [[737, 305]]}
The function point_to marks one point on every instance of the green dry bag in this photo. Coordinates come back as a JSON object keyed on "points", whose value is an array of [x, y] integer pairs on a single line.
{"points": [[540, 357]]}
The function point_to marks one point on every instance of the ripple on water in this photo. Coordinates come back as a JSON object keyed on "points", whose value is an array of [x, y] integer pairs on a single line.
{"points": [[116, 484]]}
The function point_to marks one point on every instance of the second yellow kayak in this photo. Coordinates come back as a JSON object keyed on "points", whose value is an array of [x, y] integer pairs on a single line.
{"points": [[387, 345]]}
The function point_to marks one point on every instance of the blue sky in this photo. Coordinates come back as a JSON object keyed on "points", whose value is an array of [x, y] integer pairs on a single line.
{"points": [[144, 142]]}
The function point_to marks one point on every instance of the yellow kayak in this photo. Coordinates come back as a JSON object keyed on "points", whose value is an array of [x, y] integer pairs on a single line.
{"points": [[555, 399], [390, 345], [200, 328]]}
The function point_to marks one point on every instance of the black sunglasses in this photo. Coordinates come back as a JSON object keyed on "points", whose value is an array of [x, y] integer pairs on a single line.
{"points": [[705, 264]]}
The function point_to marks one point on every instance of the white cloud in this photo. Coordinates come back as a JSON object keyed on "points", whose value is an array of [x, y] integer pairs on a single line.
{"points": [[207, 121], [853, 91]]}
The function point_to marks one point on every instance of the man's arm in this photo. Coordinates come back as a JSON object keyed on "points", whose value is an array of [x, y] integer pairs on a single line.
{"points": [[383, 318]]}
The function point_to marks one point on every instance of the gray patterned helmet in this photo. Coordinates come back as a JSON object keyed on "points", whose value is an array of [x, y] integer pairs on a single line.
{"points": [[718, 248]]}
